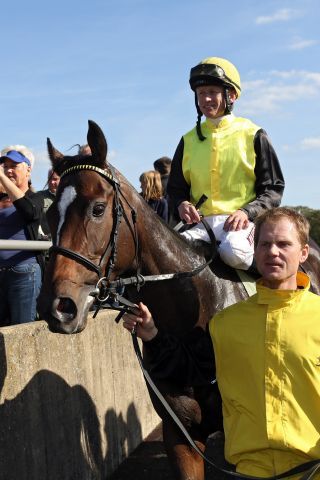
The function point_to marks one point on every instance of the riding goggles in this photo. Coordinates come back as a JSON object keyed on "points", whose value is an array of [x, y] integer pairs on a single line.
{"points": [[208, 74]]}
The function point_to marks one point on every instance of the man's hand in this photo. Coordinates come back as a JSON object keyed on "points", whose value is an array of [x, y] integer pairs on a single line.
{"points": [[188, 213], [236, 221], [142, 322]]}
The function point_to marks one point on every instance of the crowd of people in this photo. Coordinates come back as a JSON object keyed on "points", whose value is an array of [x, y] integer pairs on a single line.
{"points": [[229, 160]]}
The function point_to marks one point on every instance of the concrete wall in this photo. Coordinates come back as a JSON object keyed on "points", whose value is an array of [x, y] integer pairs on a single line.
{"points": [[71, 407]]}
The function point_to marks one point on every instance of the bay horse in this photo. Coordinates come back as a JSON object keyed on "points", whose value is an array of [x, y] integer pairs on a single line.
{"points": [[102, 228]]}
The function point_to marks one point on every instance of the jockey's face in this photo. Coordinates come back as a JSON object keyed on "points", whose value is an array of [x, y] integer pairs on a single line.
{"points": [[211, 100]]}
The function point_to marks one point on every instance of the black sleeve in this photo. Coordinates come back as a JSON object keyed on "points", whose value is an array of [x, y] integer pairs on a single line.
{"points": [[178, 189], [30, 207], [187, 361], [269, 179]]}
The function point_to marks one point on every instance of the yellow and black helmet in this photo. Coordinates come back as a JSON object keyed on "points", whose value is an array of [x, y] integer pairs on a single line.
{"points": [[215, 71]]}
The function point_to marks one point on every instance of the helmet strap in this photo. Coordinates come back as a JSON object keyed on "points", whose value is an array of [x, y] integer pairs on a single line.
{"points": [[198, 126], [229, 103]]}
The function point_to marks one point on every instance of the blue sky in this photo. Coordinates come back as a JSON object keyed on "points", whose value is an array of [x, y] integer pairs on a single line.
{"points": [[125, 64]]}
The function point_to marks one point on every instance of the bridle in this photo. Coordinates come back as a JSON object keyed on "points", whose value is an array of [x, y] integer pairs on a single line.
{"points": [[111, 249], [105, 287]]}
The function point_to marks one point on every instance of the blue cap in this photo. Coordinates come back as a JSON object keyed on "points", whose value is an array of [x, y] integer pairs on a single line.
{"points": [[15, 157]]}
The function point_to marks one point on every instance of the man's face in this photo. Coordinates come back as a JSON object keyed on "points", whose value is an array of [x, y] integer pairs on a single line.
{"points": [[18, 173], [211, 100], [53, 182], [278, 254]]}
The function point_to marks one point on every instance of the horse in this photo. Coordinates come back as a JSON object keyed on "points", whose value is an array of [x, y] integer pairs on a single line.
{"points": [[103, 233]]}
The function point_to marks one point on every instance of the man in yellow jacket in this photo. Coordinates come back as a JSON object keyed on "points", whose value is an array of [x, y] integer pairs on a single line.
{"points": [[227, 158], [267, 354]]}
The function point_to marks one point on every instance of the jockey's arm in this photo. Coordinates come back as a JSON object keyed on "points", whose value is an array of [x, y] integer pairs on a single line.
{"points": [[269, 178]]}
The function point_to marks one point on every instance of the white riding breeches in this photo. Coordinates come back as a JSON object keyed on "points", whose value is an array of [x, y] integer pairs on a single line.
{"points": [[235, 248]]}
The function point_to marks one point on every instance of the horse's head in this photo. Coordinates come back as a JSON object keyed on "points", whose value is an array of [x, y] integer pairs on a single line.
{"points": [[85, 226]]}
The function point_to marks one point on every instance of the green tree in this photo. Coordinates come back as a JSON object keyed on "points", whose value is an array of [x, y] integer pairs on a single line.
{"points": [[314, 219]]}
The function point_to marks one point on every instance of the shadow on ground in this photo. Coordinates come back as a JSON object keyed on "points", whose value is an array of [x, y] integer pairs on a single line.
{"points": [[149, 460]]}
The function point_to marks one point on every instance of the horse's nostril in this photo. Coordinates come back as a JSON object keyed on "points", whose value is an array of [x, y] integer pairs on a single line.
{"points": [[67, 307]]}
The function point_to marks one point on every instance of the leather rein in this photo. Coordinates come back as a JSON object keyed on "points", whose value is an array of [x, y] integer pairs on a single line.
{"points": [[105, 289]]}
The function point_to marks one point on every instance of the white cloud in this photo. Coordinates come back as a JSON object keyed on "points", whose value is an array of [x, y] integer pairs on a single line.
{"points": [[300, 44], [310, 143], [283, 15], [274, 90]]}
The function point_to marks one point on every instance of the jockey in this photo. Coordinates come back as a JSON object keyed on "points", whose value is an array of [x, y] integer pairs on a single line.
{"points": [[227, 158]]}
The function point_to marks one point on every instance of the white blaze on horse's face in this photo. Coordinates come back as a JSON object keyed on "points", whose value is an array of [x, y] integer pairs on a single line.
{"points": [[67, 197]]}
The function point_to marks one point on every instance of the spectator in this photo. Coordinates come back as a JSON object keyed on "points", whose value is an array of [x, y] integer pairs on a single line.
{"points": [[227, 158], [153, 194], [48, 197], [84, 150], [20, 270], [266, 351], [163, 166]]}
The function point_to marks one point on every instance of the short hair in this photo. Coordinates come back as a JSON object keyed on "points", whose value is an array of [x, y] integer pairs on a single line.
{"points": [[19, 148], [151, 185], [163, 165], [274, 214]]}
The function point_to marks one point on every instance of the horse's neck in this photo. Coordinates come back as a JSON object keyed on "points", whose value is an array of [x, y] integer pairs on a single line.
{"points": [[163, 251]]}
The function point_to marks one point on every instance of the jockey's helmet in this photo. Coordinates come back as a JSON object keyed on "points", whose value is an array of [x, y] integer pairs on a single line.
{"points": [[215, 71]]}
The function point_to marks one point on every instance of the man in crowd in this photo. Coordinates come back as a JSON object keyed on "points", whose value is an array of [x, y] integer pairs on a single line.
{"points": [[267, 357], [48, 197]]}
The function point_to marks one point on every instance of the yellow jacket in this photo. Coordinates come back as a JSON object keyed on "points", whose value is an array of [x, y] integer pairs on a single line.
{"points": [[222, 167], [267, 351]]}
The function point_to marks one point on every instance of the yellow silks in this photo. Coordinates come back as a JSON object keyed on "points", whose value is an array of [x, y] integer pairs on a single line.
{"points": [[222, 166]]}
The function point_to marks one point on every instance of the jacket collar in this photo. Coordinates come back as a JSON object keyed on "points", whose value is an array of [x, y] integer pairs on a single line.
{"points": [[270, 296], [221, 122]]}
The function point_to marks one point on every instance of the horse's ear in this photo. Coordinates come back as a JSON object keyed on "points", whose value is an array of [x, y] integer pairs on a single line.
{"points": [[54, 154], [98, 144]]}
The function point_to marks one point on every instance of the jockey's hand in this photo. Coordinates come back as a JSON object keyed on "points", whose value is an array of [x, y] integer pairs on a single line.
{"points": [[188, 212], [142, 322], [236, 221]]}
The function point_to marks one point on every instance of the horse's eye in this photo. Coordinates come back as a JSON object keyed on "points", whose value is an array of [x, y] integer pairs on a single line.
{"points": [[98, 209]]}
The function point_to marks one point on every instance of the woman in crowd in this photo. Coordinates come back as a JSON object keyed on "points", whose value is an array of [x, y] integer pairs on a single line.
{"points": [[152, 192]]}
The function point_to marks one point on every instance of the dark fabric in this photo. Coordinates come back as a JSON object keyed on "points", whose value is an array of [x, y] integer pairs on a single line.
{"points": [[48, 198], [160, 206], [164, 182], [30, 208], [187, 361], [12, 227], [269, 179]]}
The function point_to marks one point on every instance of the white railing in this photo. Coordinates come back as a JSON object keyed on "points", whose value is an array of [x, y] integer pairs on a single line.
{"points": [[25, 245]]}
